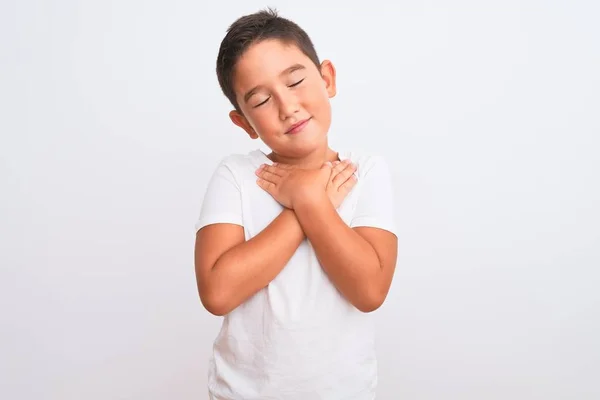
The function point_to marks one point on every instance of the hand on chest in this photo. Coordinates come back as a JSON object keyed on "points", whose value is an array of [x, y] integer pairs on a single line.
{"points": [[259, 208]]}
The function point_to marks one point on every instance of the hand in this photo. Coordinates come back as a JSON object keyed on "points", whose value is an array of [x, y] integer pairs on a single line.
{"points": [[288, 184], [341, 181]]}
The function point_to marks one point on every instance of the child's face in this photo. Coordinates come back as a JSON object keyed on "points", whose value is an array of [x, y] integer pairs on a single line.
{"points": [[277, 86]]}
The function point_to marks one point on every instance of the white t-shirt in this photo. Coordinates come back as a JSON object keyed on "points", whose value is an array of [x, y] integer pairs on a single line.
{"points": [[297, 338]]}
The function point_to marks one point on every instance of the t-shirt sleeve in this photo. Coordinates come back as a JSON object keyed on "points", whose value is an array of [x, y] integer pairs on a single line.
{"points": [[222, 200], [375, 205]]}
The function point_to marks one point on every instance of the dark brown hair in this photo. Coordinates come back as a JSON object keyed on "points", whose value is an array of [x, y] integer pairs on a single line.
{"points": [[251, 29]]}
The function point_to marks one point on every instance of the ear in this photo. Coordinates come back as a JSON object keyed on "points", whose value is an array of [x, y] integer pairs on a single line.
{"points": [[241, 121], [328, 75]]}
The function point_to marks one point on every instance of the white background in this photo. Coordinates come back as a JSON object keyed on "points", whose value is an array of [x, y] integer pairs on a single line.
{"points": [[112, 121]]}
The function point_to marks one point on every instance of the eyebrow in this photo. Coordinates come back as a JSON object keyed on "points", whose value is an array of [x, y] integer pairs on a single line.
{"points": [[287, 71]]}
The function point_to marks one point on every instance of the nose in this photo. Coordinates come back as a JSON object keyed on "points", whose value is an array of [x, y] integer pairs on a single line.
{"points": [[288, 105]]}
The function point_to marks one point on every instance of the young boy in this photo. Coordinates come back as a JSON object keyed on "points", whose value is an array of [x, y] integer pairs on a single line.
{"points": [[296, 247]]}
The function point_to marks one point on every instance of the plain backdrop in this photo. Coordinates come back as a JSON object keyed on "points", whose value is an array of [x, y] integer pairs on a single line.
{"points": [[111, 122]]}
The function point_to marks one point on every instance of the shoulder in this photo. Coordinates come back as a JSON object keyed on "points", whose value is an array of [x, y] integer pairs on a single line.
{"points": [[375, 206], [239, 165], [240, 161], [368, 164]]}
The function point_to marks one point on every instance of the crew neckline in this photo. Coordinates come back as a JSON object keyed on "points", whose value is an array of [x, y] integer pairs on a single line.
{"points": [[342, 155]]}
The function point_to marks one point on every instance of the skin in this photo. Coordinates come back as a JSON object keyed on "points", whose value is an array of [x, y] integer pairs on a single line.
{"points": [[277, 86]]}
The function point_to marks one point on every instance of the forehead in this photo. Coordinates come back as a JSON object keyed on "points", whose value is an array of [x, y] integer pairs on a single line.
{"points": [[265, 60]]}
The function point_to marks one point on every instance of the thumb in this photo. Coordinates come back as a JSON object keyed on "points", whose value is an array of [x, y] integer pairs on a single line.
{"points": [[285, 166], [327, 169]]}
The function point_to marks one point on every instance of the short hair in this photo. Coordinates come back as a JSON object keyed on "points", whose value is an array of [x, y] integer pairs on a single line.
{"points": [[251, 29]]}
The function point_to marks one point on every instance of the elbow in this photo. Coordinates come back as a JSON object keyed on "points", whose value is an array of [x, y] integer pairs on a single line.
{"points": [[215, 303], [215, 307], [369, 306], [371, 301]]}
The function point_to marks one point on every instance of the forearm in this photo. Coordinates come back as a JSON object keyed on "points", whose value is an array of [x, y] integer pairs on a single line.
{"points": [[250, 266], [348, 259]]}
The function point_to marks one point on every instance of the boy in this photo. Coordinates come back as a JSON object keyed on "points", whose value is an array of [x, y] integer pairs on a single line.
{"points": [[296, 247]]}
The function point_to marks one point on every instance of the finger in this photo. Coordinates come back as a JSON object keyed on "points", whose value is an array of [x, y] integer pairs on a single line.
{"points": [[344, 175], [266, 185], [268, 176], [338, 167], [326, 165], [275, 169], [348, 185], [283, 166]]}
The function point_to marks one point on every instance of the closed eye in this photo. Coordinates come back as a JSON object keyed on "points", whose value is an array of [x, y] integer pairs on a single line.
{"points": [[297, 83], [261, 103], [267, 99]]}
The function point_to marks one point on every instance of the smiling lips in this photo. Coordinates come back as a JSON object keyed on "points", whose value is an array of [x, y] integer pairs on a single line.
{"points": [[297, 127]]}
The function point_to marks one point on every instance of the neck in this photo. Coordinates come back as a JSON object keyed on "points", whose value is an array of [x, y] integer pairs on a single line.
{"points": [[313, 160]]}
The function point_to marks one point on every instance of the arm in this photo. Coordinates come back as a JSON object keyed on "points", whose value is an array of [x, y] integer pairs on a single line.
{"points": [[360, 262], [229, 269]]}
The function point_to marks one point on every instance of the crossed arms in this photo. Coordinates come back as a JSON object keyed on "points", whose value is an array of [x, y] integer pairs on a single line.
{"points": [[359, 261]]}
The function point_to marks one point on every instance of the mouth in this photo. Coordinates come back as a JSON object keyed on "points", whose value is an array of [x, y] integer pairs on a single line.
{"points": [[297, 127]]}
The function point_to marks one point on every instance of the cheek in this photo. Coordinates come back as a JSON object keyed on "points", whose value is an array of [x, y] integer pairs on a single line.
{"points": [[316, 98], [318, 103], [265, 123], [260, 117]]}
